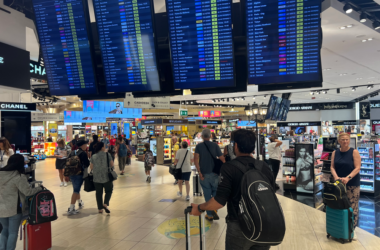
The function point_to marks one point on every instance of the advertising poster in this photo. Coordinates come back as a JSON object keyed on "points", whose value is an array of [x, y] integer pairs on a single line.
{"points": [[283, 130], [153, 146], [114, 129], [110, 110], [53, 129], [127, 130], [304, 168], [78, 117]]}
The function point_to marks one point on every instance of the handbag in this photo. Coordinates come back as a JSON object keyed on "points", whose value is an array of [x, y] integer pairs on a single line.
{"points": [[112, 175], [217, 163], [89, 185], [172, 168], [178, 171]]}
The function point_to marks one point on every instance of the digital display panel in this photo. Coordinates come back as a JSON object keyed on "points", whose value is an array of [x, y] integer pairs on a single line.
{"points": [[78, 116], [286, 110], [283, 41], [127, 130], [110, 110], [272, 104], [114, 129], [201, 43], [63, 37], [276, 109], [126, 38], [246, 124]]}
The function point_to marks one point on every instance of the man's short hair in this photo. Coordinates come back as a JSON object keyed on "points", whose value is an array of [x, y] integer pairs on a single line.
{"points": [[246, 140], [206, 133]]}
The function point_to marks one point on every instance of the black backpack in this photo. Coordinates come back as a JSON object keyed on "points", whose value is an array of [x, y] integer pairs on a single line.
{"points": [[335, 196], [260, 214], [42, 207]]}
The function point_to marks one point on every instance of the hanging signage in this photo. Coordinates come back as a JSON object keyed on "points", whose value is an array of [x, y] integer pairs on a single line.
{"points": [[289, 124], [209, 113], [152, 121], [374, 104], [53, 129], [321, 106], [79, 127], [211, 122], [11, 106], [45, 117], [37, 71], [340, 123], [175, 121], [364, 110], [375, 122], [105, 128], [88, 127], [146, 102], [100, 127], [183, 112]]}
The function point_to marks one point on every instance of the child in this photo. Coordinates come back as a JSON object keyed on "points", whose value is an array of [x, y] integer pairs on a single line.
{"points": [[148, 161]]}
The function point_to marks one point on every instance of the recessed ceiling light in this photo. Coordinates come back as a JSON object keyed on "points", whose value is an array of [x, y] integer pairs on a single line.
{"points": [[370, 39], [348, 8], [363, 17], [359, 78], [364, 40], [350, 26], [343, 27]]}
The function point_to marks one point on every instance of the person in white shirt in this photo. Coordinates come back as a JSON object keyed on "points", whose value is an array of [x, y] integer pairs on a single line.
{"points": [[274, 152], [185, 157], [6, 151]]}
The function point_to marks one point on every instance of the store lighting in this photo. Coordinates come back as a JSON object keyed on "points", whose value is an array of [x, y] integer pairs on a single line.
{"points": [[237, 98], [376, 25], [364, 40], [202, 105], [253, 98], [348, 8], [369, 86], [350, 26], [370, 39], [342, 27], [192, 102], [363, 17], [311, 93], [187, 103], [213, 100], [324, 92], [353, 89], [243, 98], [265, 96]]}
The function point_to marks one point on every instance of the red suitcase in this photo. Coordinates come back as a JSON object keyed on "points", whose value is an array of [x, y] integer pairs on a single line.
{"points": [[37, 237]]}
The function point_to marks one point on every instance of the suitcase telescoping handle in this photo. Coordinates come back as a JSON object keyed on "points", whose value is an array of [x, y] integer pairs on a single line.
{"points": [[202, 232]]}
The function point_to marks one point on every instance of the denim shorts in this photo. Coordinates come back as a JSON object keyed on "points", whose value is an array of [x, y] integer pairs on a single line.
{"points": [[185, 176], [77, 181]]}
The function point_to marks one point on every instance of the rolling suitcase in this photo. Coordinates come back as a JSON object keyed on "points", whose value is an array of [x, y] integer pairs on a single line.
{"points": [[340, 224], [202, 234], [197, 188], [37, 237]]}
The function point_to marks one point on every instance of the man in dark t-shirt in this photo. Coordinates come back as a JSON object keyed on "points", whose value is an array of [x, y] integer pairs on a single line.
{"points": [[229, 191]]}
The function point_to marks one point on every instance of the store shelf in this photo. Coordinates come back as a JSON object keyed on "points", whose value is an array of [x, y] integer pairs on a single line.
{"points": [[367, 168], [288, 157], [366, 189], [366, 181], [366, 174], [368, 163]]}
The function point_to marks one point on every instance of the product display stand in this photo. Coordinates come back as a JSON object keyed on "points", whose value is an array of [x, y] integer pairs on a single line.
{"points": [[141, 148], [367, 170], [289, 168], [167, 150]]}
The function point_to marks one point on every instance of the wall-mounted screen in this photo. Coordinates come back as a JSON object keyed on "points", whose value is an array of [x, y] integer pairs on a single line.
{"points": [[127, 44], [286, 109], [65, 47], [277, 108], [271, 106], [283, 42], [110, 110], [201, 43], [299, 130], [127, 130], [246, 124], [169, 128], [78, 116]]}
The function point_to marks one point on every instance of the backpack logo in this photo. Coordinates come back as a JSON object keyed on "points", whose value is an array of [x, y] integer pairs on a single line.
{"points": [[262, 187]]}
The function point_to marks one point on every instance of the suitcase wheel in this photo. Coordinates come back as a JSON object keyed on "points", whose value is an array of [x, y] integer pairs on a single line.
{"points": [[328, 236], [342, 241]]}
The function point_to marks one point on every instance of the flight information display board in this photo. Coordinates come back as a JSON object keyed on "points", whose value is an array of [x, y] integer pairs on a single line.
{"points": [[201, 43], [125, 30], [283, 41], [63, 36]]}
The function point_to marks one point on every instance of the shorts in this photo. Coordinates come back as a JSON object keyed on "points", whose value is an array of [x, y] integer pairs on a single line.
{"points": [[77, 181], [185, 176], [147, 168]]}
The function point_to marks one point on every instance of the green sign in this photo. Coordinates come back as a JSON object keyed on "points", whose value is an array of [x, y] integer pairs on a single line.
{"points": [[183, 112]]}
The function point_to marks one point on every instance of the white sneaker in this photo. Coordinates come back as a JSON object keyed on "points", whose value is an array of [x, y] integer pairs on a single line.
{"points": [[72, 211], [65, 184], [179, 194], [81, 204], [61, 184], [187, 198]]}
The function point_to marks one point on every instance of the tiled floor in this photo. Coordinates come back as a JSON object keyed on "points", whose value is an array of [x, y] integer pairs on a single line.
{"points": [[139, 221]]}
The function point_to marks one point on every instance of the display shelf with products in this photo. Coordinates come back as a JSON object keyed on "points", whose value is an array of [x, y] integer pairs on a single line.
{"points": [[50, 148], [167, 150], [141, 148], [367, 171], [367, 216], [377, 166]]}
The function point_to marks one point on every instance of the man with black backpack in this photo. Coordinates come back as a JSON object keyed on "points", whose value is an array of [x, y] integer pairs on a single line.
{"points": [[255, 220]]}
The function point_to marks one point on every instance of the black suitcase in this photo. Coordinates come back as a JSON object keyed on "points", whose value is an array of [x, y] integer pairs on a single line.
{"points": [[197, 188], [202, 231]]}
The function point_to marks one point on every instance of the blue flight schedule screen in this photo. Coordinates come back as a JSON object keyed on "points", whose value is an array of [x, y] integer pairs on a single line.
{"points": [[283, 41], [65, 47], [125, 30], [201, 43]]}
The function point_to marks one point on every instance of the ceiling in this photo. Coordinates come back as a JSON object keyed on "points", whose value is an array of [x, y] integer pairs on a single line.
{"points": [[346, 62]]}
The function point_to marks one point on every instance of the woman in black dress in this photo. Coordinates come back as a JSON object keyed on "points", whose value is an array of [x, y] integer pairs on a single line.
{"points": [[61, 152]]}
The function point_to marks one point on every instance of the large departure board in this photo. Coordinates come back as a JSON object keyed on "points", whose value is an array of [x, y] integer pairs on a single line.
{"points": [[65, 47], [283, 41], [125, 30], [201, 43]]}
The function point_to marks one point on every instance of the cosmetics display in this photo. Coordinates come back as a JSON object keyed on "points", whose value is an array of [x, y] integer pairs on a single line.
{"points": [[367, 170], [141, 148], [168, 151], [367, 219]]}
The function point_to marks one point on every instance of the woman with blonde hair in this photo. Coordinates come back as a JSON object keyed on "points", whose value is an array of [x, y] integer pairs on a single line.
{"points": [[61, 153], [345, 166], [6, 151]]}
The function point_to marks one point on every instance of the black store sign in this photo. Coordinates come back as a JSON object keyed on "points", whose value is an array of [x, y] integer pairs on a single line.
{"points": [[100, 127], [291, 124], [340, 123], [375, 122], [364, 110], [105, 127], [175, 121], [11, 106], [375, 104], [321, 106], [208, 122], [153, 121], [79, 127]]}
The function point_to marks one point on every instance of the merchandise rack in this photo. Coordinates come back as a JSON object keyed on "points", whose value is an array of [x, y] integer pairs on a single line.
{"points": [[167, 150], [367, 170], [141, 148]]}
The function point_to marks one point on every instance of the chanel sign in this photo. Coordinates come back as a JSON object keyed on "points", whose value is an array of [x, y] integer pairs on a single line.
{"points": [[7, 106]]}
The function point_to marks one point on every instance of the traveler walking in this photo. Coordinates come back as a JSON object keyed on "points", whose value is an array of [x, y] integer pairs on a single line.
{"points": [[91, 150], [183, 160], [148, 161], [274, 152], [345, 165], [175, 148], [106, 142], [100, 163], [74, 143], [77, 180], [228, 153], [122, 154], [14, 188], [204, 159], [6, 151], [230, 191], [61, 153]]}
